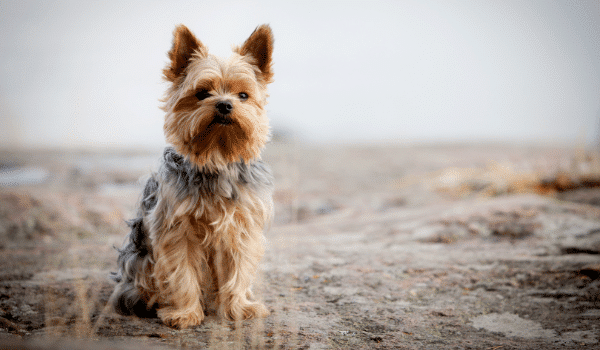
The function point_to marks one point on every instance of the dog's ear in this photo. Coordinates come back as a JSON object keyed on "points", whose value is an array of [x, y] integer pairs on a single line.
{"points": [[260, 46], [184, 46]]}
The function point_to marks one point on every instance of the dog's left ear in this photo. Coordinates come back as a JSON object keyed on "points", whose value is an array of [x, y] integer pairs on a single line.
{"points": [[260, 46]]}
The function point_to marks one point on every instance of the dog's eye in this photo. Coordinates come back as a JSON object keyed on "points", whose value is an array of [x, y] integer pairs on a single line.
{"points": [[243, 96], [201, 95]]}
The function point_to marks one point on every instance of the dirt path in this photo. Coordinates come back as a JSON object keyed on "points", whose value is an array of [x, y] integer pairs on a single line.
{"points": [[371, 248]]}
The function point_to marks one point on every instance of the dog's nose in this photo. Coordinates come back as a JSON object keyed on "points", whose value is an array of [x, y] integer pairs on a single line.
{"points": [[224, 107]]}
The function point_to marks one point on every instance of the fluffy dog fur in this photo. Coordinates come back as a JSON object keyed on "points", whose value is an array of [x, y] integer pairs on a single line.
{"points": [[197, 240]]}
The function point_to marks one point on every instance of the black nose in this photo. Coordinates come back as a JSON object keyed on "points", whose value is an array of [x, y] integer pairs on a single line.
{"points": [[224, 107]]}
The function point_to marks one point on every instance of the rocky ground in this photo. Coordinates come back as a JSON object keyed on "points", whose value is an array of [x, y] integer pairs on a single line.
{"points": [[374, 247]]}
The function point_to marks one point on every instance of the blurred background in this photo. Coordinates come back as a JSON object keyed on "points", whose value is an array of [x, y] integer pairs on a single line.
{"points": [[88, 73], [460, 174]]}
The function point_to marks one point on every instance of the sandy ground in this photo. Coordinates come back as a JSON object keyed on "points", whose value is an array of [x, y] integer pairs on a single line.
{"points": [[374, 247]]}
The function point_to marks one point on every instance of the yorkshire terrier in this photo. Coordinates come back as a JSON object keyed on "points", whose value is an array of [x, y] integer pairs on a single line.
{"points": [[197, 241]]}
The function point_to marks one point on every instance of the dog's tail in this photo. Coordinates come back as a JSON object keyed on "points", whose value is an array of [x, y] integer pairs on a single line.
{"points": [[127, 298]]}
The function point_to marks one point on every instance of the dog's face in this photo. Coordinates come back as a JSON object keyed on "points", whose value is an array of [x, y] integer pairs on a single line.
{"points": [[215, 107]]}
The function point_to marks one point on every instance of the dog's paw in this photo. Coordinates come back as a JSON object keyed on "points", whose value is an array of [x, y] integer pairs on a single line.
{"points": [[257, 310], [244, 311], [180, 318]]}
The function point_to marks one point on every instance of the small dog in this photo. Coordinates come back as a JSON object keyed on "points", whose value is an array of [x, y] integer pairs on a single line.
{"points": [[197, 241]]}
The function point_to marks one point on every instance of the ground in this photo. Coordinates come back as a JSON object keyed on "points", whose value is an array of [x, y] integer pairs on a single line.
{"points": [[372, 247]]}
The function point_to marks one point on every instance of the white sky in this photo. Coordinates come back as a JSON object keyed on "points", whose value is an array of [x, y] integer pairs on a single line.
{"points": [[88, 73]]}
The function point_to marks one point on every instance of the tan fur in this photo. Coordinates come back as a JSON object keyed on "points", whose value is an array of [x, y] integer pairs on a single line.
{"points": [[205, 252], [214, 248], [188, 123]]}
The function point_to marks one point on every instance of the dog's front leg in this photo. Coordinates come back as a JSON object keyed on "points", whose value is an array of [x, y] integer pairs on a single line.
{"points": [[237, 258], [178, 274]]}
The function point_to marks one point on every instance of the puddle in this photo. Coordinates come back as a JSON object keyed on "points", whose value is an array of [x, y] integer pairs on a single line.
{"points": [[12, 177]]}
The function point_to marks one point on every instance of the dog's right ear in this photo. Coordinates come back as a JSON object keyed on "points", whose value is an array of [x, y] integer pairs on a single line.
{"points": [[184, 46]]}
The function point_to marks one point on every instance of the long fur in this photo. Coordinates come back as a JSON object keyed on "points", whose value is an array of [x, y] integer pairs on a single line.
{"points": [[223, 238], [197, 240]]}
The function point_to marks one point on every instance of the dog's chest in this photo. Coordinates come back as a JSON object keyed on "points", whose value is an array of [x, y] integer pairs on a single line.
{"points": [[240, 192]]}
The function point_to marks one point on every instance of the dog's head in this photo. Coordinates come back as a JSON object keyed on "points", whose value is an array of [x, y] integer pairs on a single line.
{"points": [[215, 107]]}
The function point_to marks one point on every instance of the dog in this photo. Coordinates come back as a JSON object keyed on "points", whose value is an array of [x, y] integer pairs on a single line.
{"points": [[197, 240]]}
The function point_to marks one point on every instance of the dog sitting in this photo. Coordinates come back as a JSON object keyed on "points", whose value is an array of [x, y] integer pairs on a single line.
{"points": [[197, 241]]}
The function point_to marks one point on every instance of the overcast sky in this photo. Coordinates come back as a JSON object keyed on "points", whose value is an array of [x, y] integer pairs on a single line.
{"points": [[88, 73]]}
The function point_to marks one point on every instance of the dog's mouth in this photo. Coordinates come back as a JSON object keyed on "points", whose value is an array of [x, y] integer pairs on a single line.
{"points": [[222, 120]]}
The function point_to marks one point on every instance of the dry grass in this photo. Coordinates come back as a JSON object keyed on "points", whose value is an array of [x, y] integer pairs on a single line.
{"points": [[581, 171]]}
